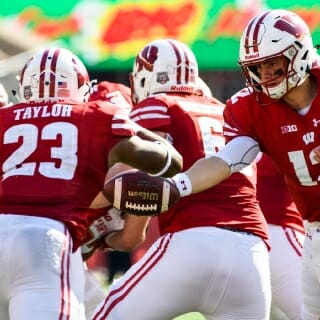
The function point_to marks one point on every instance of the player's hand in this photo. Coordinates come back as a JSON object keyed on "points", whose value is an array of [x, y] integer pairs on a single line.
{"points": [[316, 154], [111, 221]]}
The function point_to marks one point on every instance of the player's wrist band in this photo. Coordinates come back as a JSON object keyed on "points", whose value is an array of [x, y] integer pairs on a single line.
{"points": [[167, 164], [183, 184]]}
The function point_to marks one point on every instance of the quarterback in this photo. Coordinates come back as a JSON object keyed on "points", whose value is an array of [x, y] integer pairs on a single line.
{"points": [[278, 113]]}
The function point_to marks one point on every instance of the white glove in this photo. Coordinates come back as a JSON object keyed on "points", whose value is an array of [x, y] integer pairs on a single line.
{"points": [[111, 221]]}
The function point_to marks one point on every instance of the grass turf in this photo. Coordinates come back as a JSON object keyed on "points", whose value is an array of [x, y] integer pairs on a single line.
{"points": [[190, 316]]}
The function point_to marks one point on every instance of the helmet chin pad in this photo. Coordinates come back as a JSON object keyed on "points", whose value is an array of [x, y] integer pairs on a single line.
{"points": [[277, 91]]}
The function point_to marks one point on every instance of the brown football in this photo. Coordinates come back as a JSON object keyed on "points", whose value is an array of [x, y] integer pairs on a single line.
{"points": [[138, 193]]}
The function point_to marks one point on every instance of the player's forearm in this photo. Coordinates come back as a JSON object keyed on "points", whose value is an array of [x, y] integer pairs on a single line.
{"points": [[130, 237], [207, 172], [99, 201], [203, 174], [115, 241]]}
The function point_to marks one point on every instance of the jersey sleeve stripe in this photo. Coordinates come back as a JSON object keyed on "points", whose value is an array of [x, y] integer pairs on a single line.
{"points": [[123, 126], [229, 131], [150, 116], [160, 109]]}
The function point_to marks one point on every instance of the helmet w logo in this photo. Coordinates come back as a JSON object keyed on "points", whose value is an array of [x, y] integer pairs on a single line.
{"points": [[147, 58], [291, 26]]}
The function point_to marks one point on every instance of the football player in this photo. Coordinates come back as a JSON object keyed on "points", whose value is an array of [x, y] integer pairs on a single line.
{"points": [[212, 255], [56, 149], [279, 114]]}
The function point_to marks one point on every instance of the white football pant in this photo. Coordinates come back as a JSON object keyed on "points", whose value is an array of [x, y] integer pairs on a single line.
{"points": [[220, 273], [40, 277]]}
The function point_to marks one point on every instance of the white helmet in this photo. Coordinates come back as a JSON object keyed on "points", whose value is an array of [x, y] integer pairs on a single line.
{"points": [[272, 34], [4, 98], [54, 74], [163, 65]]}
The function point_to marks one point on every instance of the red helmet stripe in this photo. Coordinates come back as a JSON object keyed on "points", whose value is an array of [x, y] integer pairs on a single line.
{"points": [[256, 32], [187, 73], [179, 60], [294, 28], [246, 41], [254, 41], [42, 74], [53, 68]]}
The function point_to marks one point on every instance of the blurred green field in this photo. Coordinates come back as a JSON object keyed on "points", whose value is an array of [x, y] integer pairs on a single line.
{"points": [[190, 316], [275, 315]]}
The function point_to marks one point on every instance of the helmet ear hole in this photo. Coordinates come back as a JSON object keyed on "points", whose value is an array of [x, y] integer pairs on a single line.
{"points": [[143, 82], [304, 57]]}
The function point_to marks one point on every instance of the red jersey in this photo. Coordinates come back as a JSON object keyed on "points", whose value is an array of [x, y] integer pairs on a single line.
{"points": [[287, 137], [112, 92], [54, 158], [195, 126], [274, 198]]}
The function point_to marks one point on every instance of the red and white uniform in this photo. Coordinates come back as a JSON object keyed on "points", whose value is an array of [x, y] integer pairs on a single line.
{"points": [[286, 232], [54, 158], [212, 244], [113, 92], [288, 138]]}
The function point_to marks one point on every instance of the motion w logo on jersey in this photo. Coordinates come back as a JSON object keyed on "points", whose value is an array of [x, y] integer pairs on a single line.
{"points": [[308, 138]]}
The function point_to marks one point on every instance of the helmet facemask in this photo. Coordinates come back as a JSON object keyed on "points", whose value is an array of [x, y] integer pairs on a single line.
{"points": [[290, 79]]}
